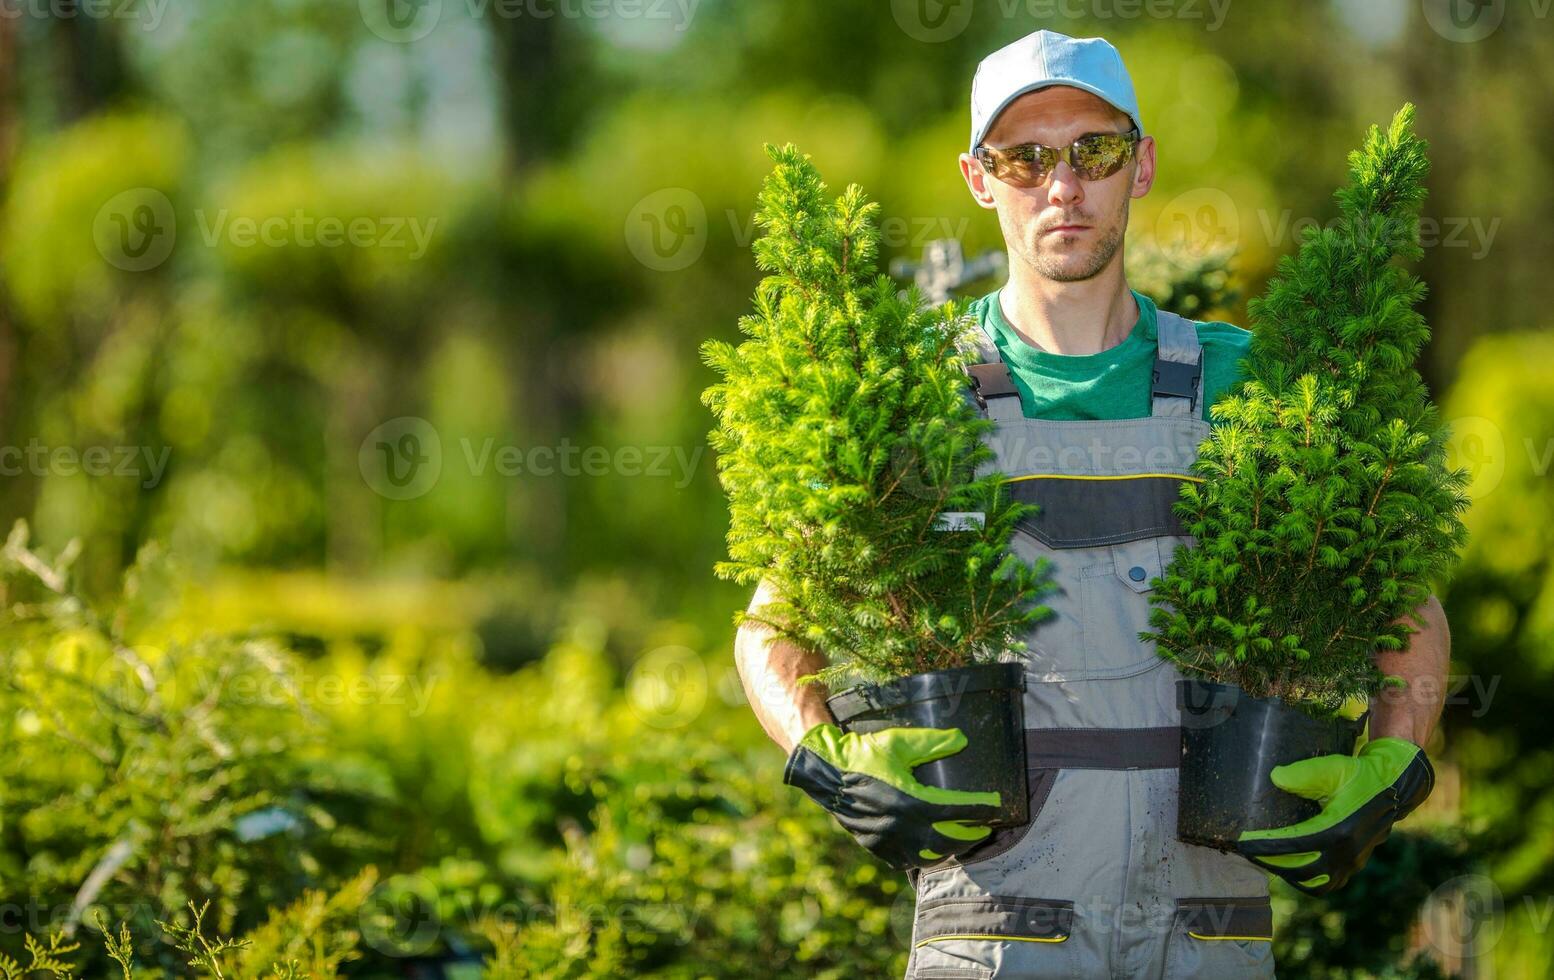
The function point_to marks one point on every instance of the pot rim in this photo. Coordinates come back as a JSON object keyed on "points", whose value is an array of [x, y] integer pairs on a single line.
{"points": [[1227, 696], [1005, 675]]}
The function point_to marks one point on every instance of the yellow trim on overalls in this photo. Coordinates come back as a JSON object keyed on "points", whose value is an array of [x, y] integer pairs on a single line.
{"points": [[1130, 476], [1012, 939], [1260, 939]]}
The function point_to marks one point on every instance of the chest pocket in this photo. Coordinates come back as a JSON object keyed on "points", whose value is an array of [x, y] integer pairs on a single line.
{"points": [[1114, 607]]}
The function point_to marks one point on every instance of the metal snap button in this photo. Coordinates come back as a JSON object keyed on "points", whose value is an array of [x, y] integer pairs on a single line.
{"points": [[1136, 573]]}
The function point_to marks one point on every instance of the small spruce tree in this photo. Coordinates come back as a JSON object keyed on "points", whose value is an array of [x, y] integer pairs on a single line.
{"points": [[1326, 507], [844, 439]]}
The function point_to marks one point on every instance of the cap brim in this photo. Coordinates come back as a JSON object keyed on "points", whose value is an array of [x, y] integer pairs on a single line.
{"points": [[1036, 86]]}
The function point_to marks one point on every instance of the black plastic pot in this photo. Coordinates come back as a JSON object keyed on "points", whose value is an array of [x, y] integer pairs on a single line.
{"points": [[1230, 744], [986, 701]]}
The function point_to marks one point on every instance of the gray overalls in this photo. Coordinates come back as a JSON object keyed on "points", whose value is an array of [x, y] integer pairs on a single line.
{"points": [[1096, 885]]}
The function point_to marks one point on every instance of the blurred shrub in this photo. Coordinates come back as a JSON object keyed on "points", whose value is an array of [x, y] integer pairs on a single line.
{"points": [[1500, 715], [63, 215], [1367, 929], [157, 770], [141, 778]]}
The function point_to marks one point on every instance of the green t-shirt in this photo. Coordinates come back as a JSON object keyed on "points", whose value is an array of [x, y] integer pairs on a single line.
{"points": [[1111, 384]]}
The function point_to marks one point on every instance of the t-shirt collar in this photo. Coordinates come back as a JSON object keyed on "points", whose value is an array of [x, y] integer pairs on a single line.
{"points": [[1015, 348]]}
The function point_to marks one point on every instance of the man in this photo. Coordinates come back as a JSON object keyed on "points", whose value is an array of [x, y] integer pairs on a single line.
{"points": [[1100, 401]]}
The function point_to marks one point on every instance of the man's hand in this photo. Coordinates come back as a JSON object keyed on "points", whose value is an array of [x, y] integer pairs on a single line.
{"points": [[1362, 796], [866, 782]]}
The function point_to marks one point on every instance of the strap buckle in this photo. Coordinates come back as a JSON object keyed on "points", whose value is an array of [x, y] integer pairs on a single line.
{"points": [[990, 380], [1175, 379]]}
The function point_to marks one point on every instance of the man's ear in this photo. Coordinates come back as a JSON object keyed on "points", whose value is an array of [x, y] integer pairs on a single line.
{"points": [[977, 181], [1144, 167]]}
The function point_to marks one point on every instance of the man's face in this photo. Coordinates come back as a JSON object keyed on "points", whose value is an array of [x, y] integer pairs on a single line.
{"points": [[1066, 229]]}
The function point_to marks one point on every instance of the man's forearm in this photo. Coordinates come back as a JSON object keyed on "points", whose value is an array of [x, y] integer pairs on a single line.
{"points": [[769, 669], [1412, 711]]}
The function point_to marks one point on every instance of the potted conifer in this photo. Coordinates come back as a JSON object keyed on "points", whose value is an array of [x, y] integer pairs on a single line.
{"points": [[1326, 508], [848, 450]]}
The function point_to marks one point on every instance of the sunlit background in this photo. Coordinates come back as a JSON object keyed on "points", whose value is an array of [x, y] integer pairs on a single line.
{"points": [[371, 329]]}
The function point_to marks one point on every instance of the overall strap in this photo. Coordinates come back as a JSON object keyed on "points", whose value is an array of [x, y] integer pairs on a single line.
{"points": [[1178, 376], [991, 385]]}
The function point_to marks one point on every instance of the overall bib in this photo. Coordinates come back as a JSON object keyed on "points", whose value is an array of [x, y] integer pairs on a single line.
{"points": [[1096, 885]]}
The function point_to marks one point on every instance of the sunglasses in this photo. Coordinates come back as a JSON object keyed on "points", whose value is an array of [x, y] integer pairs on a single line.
{"points": [[1094, 156]]}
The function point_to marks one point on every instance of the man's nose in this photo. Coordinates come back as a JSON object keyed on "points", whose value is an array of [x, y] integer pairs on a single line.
{"points": [[1064, 186]]}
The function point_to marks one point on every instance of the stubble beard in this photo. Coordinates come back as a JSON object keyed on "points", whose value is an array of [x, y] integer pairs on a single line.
{"points": [[1059, 265]]}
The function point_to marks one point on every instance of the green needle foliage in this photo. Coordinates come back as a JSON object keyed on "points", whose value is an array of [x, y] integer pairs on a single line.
{"points": [[844, 436], [1326, 507]]}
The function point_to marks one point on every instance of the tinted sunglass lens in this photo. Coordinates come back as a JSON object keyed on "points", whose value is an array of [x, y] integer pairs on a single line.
{"points": [[1098, 157], [1029, 164]]}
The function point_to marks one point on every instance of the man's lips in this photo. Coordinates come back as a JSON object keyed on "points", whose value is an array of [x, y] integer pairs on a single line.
{"points": [[1069, 228]]}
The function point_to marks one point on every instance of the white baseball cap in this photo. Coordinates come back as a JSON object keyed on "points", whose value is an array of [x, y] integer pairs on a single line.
{"points": [[1048, 58]]}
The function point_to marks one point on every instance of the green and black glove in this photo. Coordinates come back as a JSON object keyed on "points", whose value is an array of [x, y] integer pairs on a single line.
{"points": [[1362, 796], [866, 782]]}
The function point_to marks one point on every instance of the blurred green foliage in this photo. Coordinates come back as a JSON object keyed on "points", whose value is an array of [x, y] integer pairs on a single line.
{"points": [[561, 801], [244, 375]]}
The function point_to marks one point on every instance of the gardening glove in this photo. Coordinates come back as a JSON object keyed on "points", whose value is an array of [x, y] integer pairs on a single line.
{"points": [[866, 781], [1362, 796]]}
